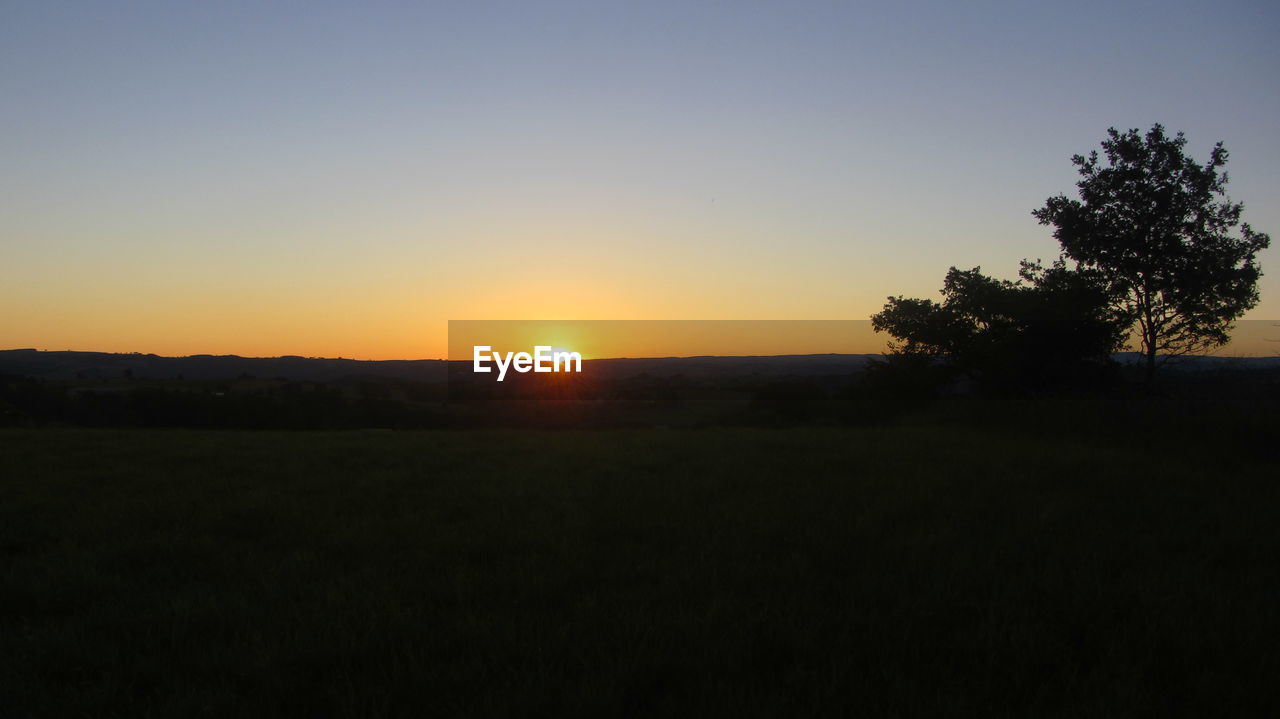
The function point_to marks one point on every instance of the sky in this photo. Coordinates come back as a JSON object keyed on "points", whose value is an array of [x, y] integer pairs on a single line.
{"points": [[341, 179]]}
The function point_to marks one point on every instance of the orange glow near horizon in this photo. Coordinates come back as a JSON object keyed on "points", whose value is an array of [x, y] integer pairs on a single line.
{"points": [[270, 303], [599, 339], [188, 315], [594, 339]]}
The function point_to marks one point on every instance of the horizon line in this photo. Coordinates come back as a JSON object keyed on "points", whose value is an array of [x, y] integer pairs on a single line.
{"points": [[585, 359]]}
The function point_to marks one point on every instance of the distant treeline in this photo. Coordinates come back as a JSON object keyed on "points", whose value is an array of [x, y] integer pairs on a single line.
{"points": [[106, 365], [879, 393], [103, 365]]}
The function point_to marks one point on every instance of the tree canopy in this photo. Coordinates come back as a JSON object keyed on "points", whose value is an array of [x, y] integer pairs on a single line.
{"points": [[1156, 228], [1051, 326]]}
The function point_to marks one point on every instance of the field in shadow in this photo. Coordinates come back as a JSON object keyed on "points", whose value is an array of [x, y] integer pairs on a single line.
{"points": [[920, 567]]}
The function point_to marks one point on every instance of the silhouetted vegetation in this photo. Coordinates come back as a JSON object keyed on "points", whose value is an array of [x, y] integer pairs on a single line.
{"points": [[1149, 245], [1052, 329], [901, 385], [1151, 225]]}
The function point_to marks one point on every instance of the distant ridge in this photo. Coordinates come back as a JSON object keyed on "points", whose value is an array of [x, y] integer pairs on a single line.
{"points": [[88, 365], [1203, 362], [102, 365], [105, 365]]}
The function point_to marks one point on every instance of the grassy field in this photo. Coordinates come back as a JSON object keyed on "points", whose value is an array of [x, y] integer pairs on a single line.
{"points": [[770, 572]]}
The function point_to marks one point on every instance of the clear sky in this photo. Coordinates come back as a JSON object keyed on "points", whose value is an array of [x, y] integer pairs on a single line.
{"points": [[340, 179]]}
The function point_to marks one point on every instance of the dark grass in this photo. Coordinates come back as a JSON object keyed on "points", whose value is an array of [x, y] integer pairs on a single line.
{"points": [[768, 572]]}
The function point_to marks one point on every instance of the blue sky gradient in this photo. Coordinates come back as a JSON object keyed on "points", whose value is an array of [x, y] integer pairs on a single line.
{"points": [[340, 179]]}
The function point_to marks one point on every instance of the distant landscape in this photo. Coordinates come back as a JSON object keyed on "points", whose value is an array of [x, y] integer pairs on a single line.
{"points": [[104, 365], [142, 390], [917, 360]]}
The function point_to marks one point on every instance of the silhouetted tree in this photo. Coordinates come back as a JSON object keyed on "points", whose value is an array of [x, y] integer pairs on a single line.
{"points": [[1156, 227], [1040, 330]]}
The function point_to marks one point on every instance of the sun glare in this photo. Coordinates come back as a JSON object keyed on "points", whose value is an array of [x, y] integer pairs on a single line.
{"points": [[559, 349]]}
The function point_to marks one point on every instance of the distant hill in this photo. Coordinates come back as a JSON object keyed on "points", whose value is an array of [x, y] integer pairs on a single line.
{"points": [[102, 365], [89, 365], [96, 365], [1195, 363]]}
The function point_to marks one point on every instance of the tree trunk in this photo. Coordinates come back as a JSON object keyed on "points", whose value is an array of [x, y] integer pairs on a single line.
{"points": [[1149, 336]]}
